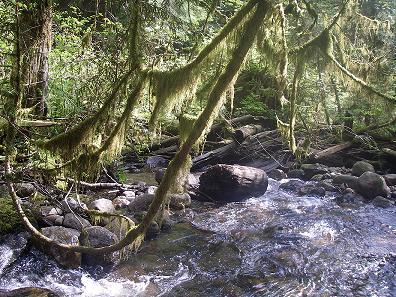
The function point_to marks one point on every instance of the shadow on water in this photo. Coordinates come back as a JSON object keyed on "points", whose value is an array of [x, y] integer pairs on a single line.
{"points": [[275, 245]]}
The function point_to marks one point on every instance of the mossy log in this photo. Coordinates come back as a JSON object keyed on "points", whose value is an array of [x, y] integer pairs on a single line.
{"points": [[227, 183], [242, 133]]}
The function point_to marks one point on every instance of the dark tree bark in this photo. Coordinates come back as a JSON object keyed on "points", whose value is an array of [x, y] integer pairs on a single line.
{"points": [[35, 45]]}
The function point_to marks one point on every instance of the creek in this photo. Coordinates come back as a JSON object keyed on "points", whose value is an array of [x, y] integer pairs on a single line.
{"points": [[278, 244]]}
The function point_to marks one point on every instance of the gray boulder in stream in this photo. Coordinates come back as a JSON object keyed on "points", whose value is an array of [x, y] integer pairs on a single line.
{"points": [[371, 185], [361, 167], [66, 236], [227, 183], [97, 237]]}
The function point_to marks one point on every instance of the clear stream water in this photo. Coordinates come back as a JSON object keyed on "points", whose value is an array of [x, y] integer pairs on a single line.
{"points": [[275, 245]]}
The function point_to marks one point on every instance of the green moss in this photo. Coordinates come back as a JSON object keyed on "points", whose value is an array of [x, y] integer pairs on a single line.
{"points": [[9, 219]]}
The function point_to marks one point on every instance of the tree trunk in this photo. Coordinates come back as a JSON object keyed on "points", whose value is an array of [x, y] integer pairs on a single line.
{"points": [[35, 41], [228, 183]]}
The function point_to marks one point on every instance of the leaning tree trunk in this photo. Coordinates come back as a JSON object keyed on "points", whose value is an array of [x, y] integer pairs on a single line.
{"points": [[35, 41]]}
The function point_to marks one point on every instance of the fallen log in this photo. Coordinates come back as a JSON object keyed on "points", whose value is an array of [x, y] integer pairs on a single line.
{"points": [[243, 132], [227, 183], [220, 155], [389, 152], [330, 151]]}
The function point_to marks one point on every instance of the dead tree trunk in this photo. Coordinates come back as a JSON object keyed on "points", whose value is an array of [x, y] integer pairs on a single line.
{"points": [[228, 183]]}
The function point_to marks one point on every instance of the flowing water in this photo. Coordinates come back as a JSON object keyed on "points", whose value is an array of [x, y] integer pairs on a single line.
{"points": [[275, 245]]}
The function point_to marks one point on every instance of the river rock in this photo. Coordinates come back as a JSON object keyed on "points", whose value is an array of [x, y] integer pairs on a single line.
{"points": [[97, 236], [390, 179], [229, 183], [349, 180], [350, 200], [156, 161], [296, 173], [277, 174], [75, 221], [292, 185], [382, 202], [327, 186], [28, 292], [54, 220], [72, 204], [66, 236], [361, 167], [316, 177], [179, 201], [371, 185], [102, 205], [141, 203], [24, 189], [311, 170], [12, 246], [120, 202], [312, 190]]}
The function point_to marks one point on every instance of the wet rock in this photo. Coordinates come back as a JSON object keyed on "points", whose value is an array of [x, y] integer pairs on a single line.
{"points": [[156, 161], [350, 200], [151, 190], [292, 185], [296, 173], [12, 246], [24, 189], [390, 179], [141, 203], [371, 185], [361, 167], [166, 223], [49, 210], [382, 202], [349, 180], [66, 236], [102, 205], [311, 170], [97, 236], [28, 292], [277, 174], [75, 221], [327, 186], [120, 203], [179, 201], [312, 190]]}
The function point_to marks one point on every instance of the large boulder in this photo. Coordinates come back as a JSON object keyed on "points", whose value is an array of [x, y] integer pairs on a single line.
{"points": [[102, 205], [311, 170], [382, 202], [228, 183], [75, 221], [11, 247], [179, 201], [97, 237], [349, 180], [361, 167], [141, 203], [277, 174], [24, 189], [371, 185], [61, 255], [292, 185], [296, 173]]}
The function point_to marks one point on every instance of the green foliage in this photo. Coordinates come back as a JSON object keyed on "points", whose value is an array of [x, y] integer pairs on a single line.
{"points": [[254, 106]]}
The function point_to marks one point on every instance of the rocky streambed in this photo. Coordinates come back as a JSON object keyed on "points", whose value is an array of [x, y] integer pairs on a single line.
{"points": [[315, 232]]}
